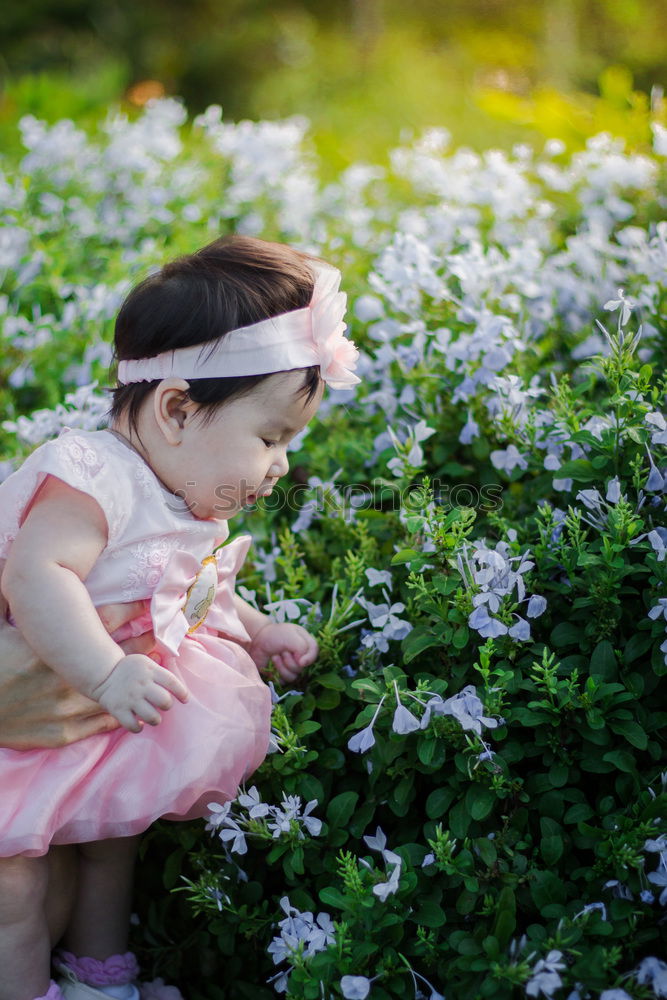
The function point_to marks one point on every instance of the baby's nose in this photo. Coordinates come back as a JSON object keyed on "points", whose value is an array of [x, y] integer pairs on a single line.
{"points": [[280, 464]]}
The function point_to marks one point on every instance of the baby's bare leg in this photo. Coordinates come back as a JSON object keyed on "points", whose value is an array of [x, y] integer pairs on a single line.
{"points": [[101, 918], [61, 892], [24, 937]]}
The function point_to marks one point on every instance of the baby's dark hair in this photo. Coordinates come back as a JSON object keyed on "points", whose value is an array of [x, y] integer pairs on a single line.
{"points": [[232, 282]]}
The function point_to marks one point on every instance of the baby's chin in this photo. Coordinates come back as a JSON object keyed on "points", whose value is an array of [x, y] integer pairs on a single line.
{"points": [[216, 513]]}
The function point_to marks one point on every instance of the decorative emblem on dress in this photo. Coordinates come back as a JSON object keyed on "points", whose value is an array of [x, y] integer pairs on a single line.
{"points": [[201, 594]]}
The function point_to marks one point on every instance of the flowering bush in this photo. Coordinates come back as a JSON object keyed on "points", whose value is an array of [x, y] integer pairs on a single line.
{"points": [[467, 794]]}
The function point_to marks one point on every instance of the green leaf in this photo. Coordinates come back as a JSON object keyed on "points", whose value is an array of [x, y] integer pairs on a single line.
{"points": [[578, 469], [404, 791], [309, 726], [603, 661], [547, 888], [487, 850], [632, 731], [551, 849], [439, 802], [172, 869], [432, 753], [331, 758], [368, 688], [578, 813], [417, 641], [404, 556], [558, 774], [297, 860], [333, 897], [430, 914], [466, 903], [460, 637], [459, 820], [480, 801], [636, 646], [621, 759], [491, 946], [331, 680], [505, 924], [341, 807], [325, 699], [566, 634]]}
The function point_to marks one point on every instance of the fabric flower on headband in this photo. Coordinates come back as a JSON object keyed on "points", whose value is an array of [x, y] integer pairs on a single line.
{"points": [[336, 355], [300, 338]]}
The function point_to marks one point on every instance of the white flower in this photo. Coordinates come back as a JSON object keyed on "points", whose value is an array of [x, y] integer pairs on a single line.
{"points": [[233, 836], [520, 630], [545, 978], [654, 972], [251, 801], [467, 709], [508, 459], [384, 889], [488, 627], [362, 741], [218, 814], [536, 606], [621, 303], [378, 576], [378, 842], [312, 824], [355, 987], [469, 431], [404, 721], [592, 908], [657, 540], [614, 490], [659, 139]]}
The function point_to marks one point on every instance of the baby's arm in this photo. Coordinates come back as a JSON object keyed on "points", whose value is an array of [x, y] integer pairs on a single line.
{"points": [[289, 646], [52, 554]]}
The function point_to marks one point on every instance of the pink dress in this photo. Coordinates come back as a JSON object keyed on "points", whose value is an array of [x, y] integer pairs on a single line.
{"points": [[116, 784]]}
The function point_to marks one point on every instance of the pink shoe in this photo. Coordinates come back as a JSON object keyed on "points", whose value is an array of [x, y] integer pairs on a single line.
{"points": [[53, 993]]}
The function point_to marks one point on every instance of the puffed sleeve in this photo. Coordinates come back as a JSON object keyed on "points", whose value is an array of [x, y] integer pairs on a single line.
{"points": [[80, 459]]}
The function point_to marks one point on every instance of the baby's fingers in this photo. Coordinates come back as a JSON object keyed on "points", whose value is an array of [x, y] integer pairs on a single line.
{"points": [[128, 720], [171, 682], [146, 712], [286, 673], [287, 666], [310, 654]]}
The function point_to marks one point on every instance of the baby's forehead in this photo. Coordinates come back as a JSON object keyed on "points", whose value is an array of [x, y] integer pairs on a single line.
{"points": [[284, 406], [284, 390]]}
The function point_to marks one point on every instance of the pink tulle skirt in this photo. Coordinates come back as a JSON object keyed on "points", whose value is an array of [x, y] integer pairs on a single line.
{"points": [[116, 784]]}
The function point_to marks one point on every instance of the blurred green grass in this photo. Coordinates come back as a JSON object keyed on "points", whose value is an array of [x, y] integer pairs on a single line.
{"points": [[369, 86]]}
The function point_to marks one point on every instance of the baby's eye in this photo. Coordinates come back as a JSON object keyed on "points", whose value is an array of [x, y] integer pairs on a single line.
{"points": [[269, 444]]}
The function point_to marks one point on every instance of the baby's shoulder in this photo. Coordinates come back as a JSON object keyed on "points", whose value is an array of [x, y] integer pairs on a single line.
{"points": [[92, 462]]}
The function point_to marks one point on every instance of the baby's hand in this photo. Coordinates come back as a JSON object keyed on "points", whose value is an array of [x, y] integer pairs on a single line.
{"points": [[290, 647], [136, 688]]}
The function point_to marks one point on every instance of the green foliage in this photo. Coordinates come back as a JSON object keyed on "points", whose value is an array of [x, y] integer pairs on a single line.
{"points": [[472, 777]]}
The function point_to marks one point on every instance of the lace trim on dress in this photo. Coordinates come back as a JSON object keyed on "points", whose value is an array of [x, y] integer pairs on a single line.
{"points": [[114, 971]]}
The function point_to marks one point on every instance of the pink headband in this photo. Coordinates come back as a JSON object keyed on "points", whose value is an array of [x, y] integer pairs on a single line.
{"points": [[296, 339]]}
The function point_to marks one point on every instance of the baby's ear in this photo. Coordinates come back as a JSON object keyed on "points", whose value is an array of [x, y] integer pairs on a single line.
{"points": [[172, 406]]}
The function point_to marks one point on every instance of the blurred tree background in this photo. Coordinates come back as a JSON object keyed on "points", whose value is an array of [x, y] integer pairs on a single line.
{"points": [[366, 72]]}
